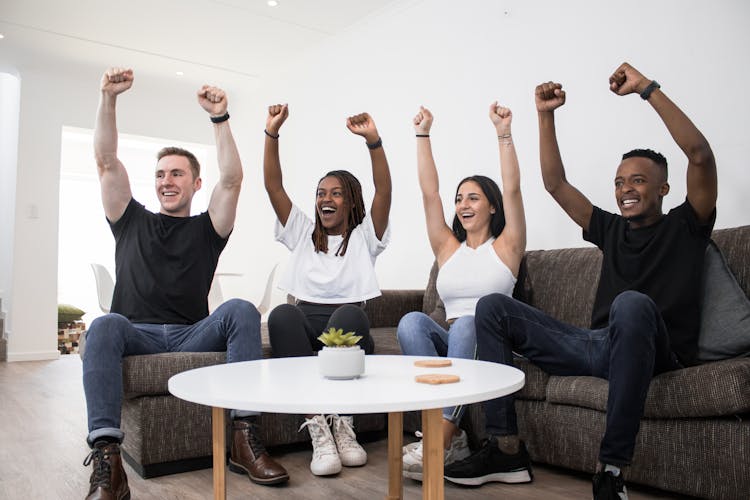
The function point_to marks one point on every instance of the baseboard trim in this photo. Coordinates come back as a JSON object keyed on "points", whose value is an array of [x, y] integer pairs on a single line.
{"points": [[33, 356]]}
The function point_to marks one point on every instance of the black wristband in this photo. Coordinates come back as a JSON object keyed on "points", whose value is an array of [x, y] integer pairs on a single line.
{"points": [[219, 119], [648, 90], [269, 134], [377, 144], [423, 135]]}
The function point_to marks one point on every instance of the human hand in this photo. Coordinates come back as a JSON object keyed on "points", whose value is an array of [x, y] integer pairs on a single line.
{"points": [[501, 118], [277, 114], [627, 80], [116, 80], [423, 121], [213, 100], [549, 96], [363, 124]]}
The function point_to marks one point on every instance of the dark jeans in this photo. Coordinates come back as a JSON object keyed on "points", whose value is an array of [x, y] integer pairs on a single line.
{"points": [[294, 329], [628, 353], [233, 327]]}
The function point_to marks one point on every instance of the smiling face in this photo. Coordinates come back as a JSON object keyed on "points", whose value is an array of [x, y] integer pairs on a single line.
{"points": [[640, 186], [331, 205], [473, 209], [175, 185]]}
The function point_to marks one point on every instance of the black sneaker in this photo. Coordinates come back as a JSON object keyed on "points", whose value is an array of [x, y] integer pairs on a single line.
{"points": [[607, 486], [490, 464]]}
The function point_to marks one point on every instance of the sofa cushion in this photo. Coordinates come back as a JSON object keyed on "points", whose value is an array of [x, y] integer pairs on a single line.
{"points": [[725, 312], [714, 389], [563, 282]]}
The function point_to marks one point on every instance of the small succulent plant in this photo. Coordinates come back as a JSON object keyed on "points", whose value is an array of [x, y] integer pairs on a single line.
{"points": [[337, 338]]}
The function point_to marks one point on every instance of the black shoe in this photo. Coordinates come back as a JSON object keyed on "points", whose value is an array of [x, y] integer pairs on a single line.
{"points": [[490, 464], [607, 486]]}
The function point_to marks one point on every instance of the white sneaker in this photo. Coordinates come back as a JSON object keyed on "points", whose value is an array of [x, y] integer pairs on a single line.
{"points": [[325, 459], [351, 452], [412, 459]]}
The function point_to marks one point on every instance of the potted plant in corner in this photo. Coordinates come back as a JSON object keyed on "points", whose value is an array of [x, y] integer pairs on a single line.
{"points": [[341, 358]]}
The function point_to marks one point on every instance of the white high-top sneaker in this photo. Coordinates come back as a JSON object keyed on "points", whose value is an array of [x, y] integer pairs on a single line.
{"points": [[325, 459], [351, 452], [412, 459]]}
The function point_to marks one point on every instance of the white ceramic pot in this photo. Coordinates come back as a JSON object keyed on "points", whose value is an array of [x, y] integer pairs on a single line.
{"points": [[341, 363]]}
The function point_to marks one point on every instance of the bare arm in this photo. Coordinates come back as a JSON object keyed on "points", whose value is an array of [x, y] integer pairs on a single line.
{"points": [[363, 124], [550, 96], [511, 243], [442, 240], [113, 178], [701, 172], [222, 208], [272, 177]]}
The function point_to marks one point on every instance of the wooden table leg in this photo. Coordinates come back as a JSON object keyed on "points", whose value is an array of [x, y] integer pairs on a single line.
{"points": [[395, 455], [432, 454], [220, 453]]}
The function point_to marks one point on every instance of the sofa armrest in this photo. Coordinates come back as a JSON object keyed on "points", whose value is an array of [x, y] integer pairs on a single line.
{"points": [[391, 306]]}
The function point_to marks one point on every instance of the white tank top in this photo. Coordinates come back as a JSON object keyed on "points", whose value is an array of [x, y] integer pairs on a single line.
{"points": [[470, 274]]}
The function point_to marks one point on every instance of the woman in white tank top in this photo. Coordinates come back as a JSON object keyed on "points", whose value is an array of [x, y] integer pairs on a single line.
{"points": [[480, 255]]}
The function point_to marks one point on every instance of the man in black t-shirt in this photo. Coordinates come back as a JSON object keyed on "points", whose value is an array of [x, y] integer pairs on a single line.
{"points": [[165, 263], [645, 316]]}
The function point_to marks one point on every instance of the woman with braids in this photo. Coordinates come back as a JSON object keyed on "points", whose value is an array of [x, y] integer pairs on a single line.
{"points": [[330, 272], [479, 256]]}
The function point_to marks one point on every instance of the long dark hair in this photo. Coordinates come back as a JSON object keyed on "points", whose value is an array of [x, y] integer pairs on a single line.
{"points": [[352, 191], [494, 197]]}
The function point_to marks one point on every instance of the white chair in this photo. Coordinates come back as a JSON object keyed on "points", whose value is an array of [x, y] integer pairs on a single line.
{"points": [[105, 287], [216, 294]]}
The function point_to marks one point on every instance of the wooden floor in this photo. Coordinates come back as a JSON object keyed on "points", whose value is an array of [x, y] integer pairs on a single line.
{"points": [[42, 447]]}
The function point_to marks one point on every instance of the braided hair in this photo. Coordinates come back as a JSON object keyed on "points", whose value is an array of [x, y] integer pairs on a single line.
{"points": [[352, 191]]}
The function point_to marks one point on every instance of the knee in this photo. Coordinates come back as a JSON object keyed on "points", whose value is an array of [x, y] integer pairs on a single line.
{"points": [[410, 326], [107, 327], [632, 304], [494, 303], [239, 310]]}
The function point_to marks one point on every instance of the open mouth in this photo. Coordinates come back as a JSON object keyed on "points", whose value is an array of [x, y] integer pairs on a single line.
{"points": [[629, 202], [169, 193], [327, 211]]}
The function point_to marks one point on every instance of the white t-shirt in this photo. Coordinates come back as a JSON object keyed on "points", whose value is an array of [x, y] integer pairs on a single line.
{"points": [[470, 274], [325, 278]]}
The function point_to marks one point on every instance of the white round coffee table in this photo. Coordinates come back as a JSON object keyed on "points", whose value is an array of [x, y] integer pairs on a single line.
{"points": [[293, 385]]}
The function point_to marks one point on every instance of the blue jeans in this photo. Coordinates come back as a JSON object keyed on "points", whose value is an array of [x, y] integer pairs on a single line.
{"points": [[628, 353], [233, 327], [419, 335]]}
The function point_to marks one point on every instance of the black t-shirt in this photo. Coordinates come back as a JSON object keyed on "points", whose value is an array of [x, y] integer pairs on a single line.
{"points": [[164, 266], [663, 261]]}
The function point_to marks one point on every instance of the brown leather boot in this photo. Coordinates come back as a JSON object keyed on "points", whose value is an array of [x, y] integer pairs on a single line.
{"points": [[108, 479], [250, 457]]}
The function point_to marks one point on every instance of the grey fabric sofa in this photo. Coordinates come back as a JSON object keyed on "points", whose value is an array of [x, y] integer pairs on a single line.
{"points": [[694, 437]]}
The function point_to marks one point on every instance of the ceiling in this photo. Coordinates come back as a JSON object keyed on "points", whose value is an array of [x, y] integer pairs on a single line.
{"points": [[236, 39]]}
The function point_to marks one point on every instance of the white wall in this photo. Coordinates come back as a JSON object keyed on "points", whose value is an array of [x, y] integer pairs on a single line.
{"points": [[455, 57], [9, 109]]}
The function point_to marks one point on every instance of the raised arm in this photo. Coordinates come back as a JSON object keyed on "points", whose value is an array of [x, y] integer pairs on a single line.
{"points": [[115, 185], [511, 243], [222, 208], [272, 179], [442, 240], [363, 124], [701, 171], [550, 96]]}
